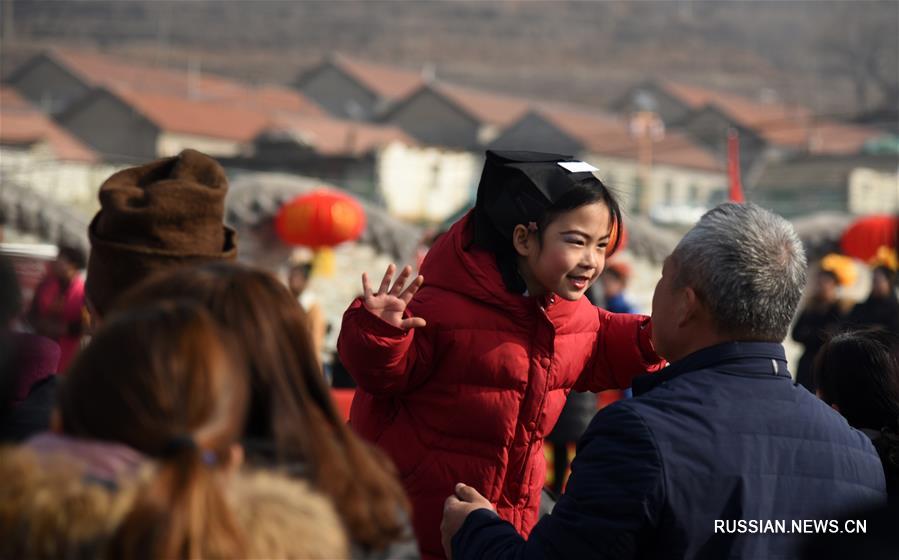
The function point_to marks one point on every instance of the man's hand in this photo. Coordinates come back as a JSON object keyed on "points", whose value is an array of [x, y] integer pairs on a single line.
{"points": [[390, 303], [455, 509]]}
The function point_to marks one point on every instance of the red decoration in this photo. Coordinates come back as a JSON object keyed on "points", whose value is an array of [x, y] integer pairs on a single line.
{"points": [[623, 244], [733, 167], [862, 239], [321, 218]]}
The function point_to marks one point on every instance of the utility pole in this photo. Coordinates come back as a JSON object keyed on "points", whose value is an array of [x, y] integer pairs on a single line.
{"points": [[646, 127]]}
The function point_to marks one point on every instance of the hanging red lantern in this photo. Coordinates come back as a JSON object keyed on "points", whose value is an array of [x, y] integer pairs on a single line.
{"points": [[865, 236], [321, 218]]}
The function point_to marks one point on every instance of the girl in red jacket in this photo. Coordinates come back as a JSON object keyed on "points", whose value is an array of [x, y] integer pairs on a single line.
{"points": [[462, 375]]}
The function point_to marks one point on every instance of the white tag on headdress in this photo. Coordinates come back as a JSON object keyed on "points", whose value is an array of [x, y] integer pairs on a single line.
{"points": [[577, 166]]}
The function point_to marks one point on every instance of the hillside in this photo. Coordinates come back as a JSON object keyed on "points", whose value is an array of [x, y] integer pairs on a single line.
{"points": [[838, 58]]}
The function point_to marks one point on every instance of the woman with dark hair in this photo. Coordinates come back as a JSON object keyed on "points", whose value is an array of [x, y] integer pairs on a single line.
{"points": [[823, 314], [28, 366], [145, 463], [292, 421], [57, 306], [881, 309], [858, 375]]}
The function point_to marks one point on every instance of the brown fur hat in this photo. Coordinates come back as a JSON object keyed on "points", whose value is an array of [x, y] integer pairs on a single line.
{"points": [[160, 215]]}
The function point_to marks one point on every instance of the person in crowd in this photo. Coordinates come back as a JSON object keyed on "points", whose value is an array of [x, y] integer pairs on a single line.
{"points": [[824, 314], [292, 421], [299, 269], [161, 215], [721, 435], [614, 281], [144, 461], [57, 306], [858, 375], [462, 379], [882, 306], [28, 366]]}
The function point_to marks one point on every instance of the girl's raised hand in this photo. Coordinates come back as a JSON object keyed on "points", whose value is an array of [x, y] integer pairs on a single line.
{"points": [[388, 302]]}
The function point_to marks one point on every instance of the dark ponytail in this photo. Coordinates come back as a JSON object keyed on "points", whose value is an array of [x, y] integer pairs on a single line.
{"points": [[162, 381], [181, 512]]}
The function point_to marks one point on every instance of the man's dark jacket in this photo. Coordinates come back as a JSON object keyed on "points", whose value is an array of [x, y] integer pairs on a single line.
{"points": [[722, 434]]}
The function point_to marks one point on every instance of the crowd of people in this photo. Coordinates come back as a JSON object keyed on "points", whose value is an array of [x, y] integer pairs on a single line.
{"points": [[173, 404]]}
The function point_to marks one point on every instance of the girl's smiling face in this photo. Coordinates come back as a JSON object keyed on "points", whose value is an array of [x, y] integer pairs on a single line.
{"points": [[572, 253]]}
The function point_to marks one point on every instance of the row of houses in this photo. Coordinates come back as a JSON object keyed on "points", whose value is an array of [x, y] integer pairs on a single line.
{"points": [[415, 144]]}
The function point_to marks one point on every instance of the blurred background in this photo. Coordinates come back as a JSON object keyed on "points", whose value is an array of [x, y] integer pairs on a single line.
{"points": [[681, 105]]}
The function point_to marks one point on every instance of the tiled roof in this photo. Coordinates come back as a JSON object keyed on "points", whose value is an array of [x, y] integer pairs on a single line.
{"points": [[388, 82], [485, 106], [780, 124], [112, 72], [831, 137], [22, 124], [329, 136], [609, 135], [278, 98], [10, 100], [215, 119]]}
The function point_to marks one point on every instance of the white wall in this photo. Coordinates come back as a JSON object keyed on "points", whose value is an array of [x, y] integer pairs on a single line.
{"points": [[171, 144], [426, 184], [670, 186], [67, 182], [873, 192]]}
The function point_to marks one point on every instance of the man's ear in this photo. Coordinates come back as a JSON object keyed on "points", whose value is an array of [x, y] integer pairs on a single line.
{"points": [[521, 240], [690, 307]]}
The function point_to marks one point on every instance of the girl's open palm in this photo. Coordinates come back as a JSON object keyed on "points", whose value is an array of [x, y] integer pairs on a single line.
{"points": [[388, 302]]}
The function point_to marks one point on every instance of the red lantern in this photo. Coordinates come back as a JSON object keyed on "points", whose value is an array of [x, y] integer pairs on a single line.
{"points": [[862, 239], [321, 218]]}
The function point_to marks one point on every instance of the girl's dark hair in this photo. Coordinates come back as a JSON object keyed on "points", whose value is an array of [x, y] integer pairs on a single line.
{"points": [[290, 406], [859, 372], [162, 381], [484, 234]]}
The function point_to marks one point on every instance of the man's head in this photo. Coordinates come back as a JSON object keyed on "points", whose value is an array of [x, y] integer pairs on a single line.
{"points": [[70, 260], [614, 278], [737, 275]]}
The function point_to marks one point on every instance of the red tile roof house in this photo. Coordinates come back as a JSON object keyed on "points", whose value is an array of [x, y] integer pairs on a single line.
{"points": [[355, 89], [769, 130], [42, 166], [339, 151], [457, 117], [682, 173], [55, 79], [419, 183], [24, 128]]}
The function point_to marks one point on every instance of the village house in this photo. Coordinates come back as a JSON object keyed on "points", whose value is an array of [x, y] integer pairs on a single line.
{"points": [[38, 155], [768, 129], [671, 177], [55, 79], [854, 184], [453, 116], [377, 162], [350, 88]]}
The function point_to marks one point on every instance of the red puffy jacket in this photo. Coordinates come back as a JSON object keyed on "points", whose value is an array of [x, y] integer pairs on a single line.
{"points": [[470, 397]]}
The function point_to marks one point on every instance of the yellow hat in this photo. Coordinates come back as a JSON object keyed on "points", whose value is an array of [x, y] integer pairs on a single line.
{"points": [[840, 266], [885, 257]]}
